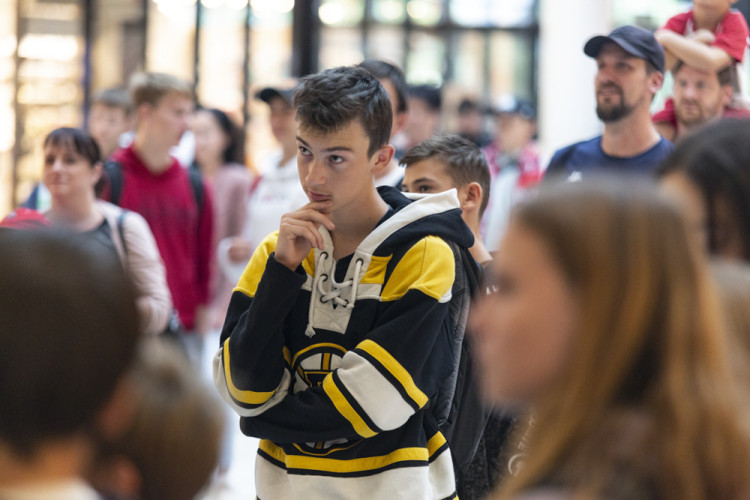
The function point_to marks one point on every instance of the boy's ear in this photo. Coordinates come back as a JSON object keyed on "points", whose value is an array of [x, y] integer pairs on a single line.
{"points": [[142, 112], [472, 196], [383, 158]]}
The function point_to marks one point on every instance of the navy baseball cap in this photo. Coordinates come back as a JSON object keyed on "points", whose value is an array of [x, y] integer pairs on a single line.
{"points": [[268, 93], [511, 104], [635, 41]]}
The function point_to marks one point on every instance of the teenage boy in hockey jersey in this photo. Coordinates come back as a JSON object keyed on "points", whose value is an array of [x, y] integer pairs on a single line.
{"points": [[338, 332]]}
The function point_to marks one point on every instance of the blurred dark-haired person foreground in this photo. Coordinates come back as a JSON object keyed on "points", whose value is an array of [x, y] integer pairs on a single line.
{"points": [[69, 330], [171, 445], [604, 322], [709, 177]]}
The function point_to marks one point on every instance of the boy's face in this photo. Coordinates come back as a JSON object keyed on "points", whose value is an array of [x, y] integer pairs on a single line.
{"points": [[515, 131], [283, 124], [335, 167], [166, 122], [426, 176], [106, 124], [422, 121], [430, 176]]}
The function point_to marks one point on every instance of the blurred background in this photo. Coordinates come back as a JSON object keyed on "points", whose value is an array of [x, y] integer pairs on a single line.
{"points": [[55, 53]]}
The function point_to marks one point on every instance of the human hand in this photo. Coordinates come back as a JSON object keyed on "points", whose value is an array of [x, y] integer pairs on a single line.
{"points": [[703, 36], [298, 233]]}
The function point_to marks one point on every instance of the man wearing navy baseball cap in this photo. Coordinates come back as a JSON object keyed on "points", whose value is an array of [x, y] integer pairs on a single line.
{"points": [[630, 70]]}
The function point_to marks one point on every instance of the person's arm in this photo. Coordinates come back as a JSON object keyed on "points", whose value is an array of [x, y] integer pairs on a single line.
{"points": [[146, 269], [251, 368], [389, 376], [693, 52]]}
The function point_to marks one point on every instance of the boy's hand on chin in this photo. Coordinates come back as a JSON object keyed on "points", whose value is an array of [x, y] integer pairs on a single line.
{"points": [[298, 233]]}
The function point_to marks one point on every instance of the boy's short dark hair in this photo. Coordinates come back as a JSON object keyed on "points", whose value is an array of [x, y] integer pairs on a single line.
{"points": [[463, 161], [69, 332], [113, 98], [386, 71], [328, 101]]}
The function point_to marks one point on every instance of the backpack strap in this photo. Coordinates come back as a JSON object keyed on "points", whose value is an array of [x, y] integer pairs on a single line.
{"points": [[113, 172], [121, 234], [460, 413], [466, 282]]}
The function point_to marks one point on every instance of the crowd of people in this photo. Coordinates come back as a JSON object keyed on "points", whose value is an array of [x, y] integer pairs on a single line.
{"points": [[402, 311]]}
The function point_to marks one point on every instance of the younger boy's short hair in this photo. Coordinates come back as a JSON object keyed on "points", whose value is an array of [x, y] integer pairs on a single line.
{"points": [[463, 161], [113, 98], [150, 88], [328, 101]]}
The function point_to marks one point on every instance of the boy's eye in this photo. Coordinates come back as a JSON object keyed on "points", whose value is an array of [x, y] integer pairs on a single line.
{"points": [[425, 189], [303, 150], [336, 159]]}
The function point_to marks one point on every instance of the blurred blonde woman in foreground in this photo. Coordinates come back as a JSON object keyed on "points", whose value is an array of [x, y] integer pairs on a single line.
{"points": [[602, 318]]}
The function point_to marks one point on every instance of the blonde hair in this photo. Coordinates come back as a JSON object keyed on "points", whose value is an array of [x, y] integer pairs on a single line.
{"points": [[648, 392], [150, 88]]}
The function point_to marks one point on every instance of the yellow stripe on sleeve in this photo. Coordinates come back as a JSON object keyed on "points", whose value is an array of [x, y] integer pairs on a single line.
{"points": [[345, 409], [428, 266], [435, 443], [395, 369], [248, 283], [246, 397]]}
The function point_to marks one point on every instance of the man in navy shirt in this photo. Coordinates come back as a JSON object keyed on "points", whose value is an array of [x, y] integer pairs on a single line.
{"points": [[630, 71]]}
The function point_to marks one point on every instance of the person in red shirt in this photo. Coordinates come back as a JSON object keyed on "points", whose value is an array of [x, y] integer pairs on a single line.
{"points": [[709, 37], [154, 184], [700, 98]]}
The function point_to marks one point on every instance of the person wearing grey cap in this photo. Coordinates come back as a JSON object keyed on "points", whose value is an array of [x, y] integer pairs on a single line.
{"points": [[630, 71], [275, 192]]}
